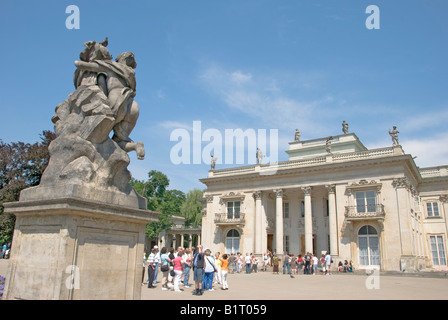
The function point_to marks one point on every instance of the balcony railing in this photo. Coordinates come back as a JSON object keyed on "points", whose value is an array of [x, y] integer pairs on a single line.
{"points": [[228, 219], [375, 211]]}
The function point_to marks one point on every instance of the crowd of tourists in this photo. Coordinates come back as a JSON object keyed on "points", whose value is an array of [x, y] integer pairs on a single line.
{"points": [[176, 267]]}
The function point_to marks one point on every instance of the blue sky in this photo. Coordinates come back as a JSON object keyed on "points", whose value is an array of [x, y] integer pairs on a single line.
{"points": [[240, 64]]}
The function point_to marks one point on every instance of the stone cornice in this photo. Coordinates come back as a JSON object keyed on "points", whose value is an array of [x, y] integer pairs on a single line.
{"points": [[232, 196], [364, 184]]}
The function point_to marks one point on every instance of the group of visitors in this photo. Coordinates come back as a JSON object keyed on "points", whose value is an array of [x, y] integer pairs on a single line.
{"points": [[175, 267], [308, 264], [346, 266], [239, 261]]}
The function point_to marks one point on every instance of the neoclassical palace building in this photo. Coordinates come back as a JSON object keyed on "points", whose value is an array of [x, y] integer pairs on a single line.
{"points": [[375, 207]]}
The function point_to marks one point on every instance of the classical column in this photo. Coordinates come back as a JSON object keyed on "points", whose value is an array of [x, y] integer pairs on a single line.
{"points": [[174, 241], [257, 222], [332, 226], [181, 240], [308, 220], [279, 221], [402, 187], [444, 201], [190, 240]]}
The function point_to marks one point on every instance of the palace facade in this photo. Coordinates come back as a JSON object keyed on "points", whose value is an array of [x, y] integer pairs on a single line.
{"points": [[375, 207]]}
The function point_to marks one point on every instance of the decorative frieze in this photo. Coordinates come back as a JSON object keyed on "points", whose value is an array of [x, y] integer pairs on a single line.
{"points": [[363, 184]]}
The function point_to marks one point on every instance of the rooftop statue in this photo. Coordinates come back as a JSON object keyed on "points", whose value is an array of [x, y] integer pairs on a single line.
{"points": [[344, 127], [297, 135], [394, 135], [259, 156]]}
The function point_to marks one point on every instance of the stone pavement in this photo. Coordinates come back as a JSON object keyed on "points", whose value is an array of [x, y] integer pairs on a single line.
{"points": [[338, 286]]}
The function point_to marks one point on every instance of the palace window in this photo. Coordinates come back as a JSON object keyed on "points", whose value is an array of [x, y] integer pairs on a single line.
{"points": [[285, 209], [303, 208], [233, 209], [438, 251], [286, 244], [233, 241], [365, 201], [432, 209]]}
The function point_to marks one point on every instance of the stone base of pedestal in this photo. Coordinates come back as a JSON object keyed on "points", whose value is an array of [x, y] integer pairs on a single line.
{"points": [[76, 249]]}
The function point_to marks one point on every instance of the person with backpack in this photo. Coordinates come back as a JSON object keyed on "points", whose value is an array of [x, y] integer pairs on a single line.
{"points": [[209, 270], [198, 270], [307, 259]]}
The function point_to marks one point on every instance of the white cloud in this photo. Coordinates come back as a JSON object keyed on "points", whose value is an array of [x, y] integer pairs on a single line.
{"points": [[171, 125], [430, 119], [430, 151], [263, 98], [239, 78]]}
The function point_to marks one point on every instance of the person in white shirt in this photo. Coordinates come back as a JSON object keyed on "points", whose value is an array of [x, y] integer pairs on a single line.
{"points": [[156, 263], [328, 261], [187, 258], [209, 270], [151, 268], [265, 261], [315, 262], [248, 261]]}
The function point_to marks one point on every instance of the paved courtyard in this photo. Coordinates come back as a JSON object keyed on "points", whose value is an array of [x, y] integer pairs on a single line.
{"points": [[339, 286]]}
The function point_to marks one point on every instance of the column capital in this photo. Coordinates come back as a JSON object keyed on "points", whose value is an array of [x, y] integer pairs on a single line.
{"points": [[444, 198], [278, 193], [209, 198], [401, 182], [331, 188], [307, 190], [257, 194]]}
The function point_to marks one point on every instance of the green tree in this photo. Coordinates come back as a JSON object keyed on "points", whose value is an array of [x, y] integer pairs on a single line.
{"points": [[21, 166], [191, 208], [167, 202]]}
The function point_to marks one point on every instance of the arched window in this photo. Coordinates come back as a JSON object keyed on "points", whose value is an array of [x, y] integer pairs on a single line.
{"points": [[233, 241], [368, 246]]}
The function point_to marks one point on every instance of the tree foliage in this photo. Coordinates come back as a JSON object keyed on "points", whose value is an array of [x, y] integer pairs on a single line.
{"points": [[167, 202], [21, 166], [191, 208]]}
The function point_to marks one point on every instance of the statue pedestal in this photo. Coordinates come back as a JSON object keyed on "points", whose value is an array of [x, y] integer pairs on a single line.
{"points": [[70, 248]]}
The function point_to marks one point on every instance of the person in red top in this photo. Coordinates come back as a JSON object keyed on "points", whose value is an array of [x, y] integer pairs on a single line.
{"points": [[178, 267]]}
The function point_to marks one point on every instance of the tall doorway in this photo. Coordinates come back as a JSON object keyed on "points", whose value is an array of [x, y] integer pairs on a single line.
{"points": [[270, 242], [368, 246]]}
